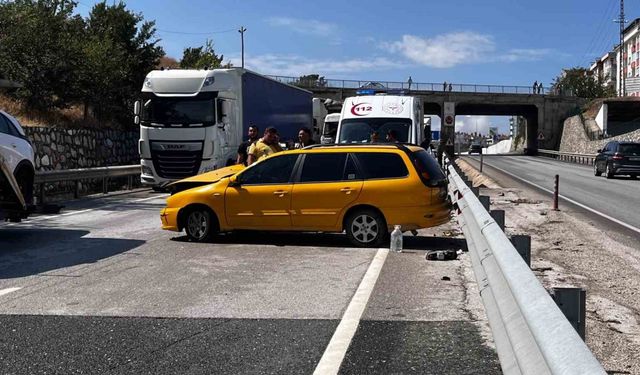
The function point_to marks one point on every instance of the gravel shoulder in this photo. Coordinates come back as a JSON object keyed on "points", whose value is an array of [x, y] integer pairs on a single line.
{"points": [[570, 249]]}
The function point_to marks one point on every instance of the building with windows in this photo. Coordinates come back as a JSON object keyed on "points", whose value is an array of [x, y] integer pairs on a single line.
{"points": [[605, 69], [631, 56]]}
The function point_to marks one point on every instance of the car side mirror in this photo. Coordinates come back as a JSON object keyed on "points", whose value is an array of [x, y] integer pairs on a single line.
{"points": [[233, 181], [599, 151]]}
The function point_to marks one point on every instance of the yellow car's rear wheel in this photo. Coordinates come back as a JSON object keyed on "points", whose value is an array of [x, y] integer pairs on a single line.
{"points": [[366, 228]]}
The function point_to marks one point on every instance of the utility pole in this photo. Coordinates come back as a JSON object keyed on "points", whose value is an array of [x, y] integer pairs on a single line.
{"points": [[241, 31], [623, 59]]}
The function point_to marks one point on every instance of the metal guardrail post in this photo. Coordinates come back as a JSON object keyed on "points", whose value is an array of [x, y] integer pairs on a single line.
{"points": [[572, 303], [41, 195], [522, 243], [498, 216], [486, 201]]}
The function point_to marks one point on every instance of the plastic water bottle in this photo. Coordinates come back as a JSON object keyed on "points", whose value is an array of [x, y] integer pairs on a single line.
{"points": [[396, 239]]}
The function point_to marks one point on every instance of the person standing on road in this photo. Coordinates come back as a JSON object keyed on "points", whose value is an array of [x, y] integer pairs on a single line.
{"points": [[426, 142], [304, 138], [265, 146], [244, 146]]}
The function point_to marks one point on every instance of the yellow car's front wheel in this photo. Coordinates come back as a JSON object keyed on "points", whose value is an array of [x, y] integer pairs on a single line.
{"points": [[199, 224]]}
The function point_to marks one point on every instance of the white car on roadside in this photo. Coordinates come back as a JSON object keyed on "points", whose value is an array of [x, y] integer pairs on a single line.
{"points": [[18, 158]]}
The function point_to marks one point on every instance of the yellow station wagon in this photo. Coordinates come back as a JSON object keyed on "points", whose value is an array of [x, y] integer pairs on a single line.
{"points": [[363, 190]]}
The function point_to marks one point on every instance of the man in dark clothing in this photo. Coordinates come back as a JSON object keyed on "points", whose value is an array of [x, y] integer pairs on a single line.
{"points": [[304, 138], [426, 142], [244, 146]]}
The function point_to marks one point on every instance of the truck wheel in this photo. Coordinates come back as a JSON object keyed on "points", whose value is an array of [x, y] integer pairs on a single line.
{"points": [[200, 224], [366, 228]]}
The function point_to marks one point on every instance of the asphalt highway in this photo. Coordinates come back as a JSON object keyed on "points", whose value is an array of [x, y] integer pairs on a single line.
{"points": [[618, 198], [100, 289]]}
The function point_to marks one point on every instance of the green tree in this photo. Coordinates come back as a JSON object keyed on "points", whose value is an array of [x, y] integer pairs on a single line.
{"points": [[577, 81], [202, 57], [40, 48], [120, 48], [311, 80]]}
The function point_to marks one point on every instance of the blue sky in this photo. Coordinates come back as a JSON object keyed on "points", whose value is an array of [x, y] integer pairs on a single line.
{"points": [[503, 42]]}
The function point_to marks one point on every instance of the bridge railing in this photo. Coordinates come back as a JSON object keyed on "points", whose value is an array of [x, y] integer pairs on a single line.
{"points": [[571, 157], [415, 86], [531, 333]]}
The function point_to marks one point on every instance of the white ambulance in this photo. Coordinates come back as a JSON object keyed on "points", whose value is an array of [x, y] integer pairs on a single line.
{"points": [[362, 116]]}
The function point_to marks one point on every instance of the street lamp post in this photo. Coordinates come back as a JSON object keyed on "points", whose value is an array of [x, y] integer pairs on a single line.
{"points": [[241, 31]]}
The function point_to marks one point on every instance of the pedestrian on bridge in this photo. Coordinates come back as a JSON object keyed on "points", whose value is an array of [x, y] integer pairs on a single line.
{"points": [[450, 87], [409, 82], [444, 86], [540, 90], [535, 87]]}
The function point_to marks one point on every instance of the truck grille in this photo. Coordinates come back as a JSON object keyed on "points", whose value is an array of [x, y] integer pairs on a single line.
{"points": [[176, 164]]}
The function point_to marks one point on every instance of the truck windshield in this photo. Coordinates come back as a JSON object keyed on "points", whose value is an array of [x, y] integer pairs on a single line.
{"points": [[357, 130], [178, 110], [330, 128]]}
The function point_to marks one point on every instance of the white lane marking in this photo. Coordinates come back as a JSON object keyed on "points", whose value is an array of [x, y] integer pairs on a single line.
{"points": [[8, 290], [628, 226], [40, 218], [334, 354]]}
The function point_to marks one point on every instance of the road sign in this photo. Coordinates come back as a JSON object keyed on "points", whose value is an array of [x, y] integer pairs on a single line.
{"points": [[449, 113], [540, 136], [449, 142], [448, 120]]}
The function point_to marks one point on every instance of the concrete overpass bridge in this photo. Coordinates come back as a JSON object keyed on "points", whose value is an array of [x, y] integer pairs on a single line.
{"points": [[544, 112]]}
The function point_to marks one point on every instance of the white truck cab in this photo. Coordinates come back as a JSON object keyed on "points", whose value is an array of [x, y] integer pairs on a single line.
{"points": [[330, 128], [192, 121], [361, 116]]}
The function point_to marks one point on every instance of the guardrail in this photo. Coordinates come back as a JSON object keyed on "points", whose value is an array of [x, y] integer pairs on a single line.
{"points": [[531, 334], [76, 175], [570, 157], [417, 86]]}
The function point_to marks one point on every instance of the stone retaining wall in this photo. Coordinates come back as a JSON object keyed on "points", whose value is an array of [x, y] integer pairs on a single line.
{"points": [[575, 140], [57, 148]]}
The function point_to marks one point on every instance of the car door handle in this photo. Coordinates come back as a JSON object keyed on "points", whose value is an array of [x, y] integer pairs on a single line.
{"points": [[347, 190], [280, 192]]}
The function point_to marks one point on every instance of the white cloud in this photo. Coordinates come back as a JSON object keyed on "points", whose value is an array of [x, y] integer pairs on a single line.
{"points": [[304, 26], [444, 51], [526, 54], [295, 66], [452, 49], [467, 124]]}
